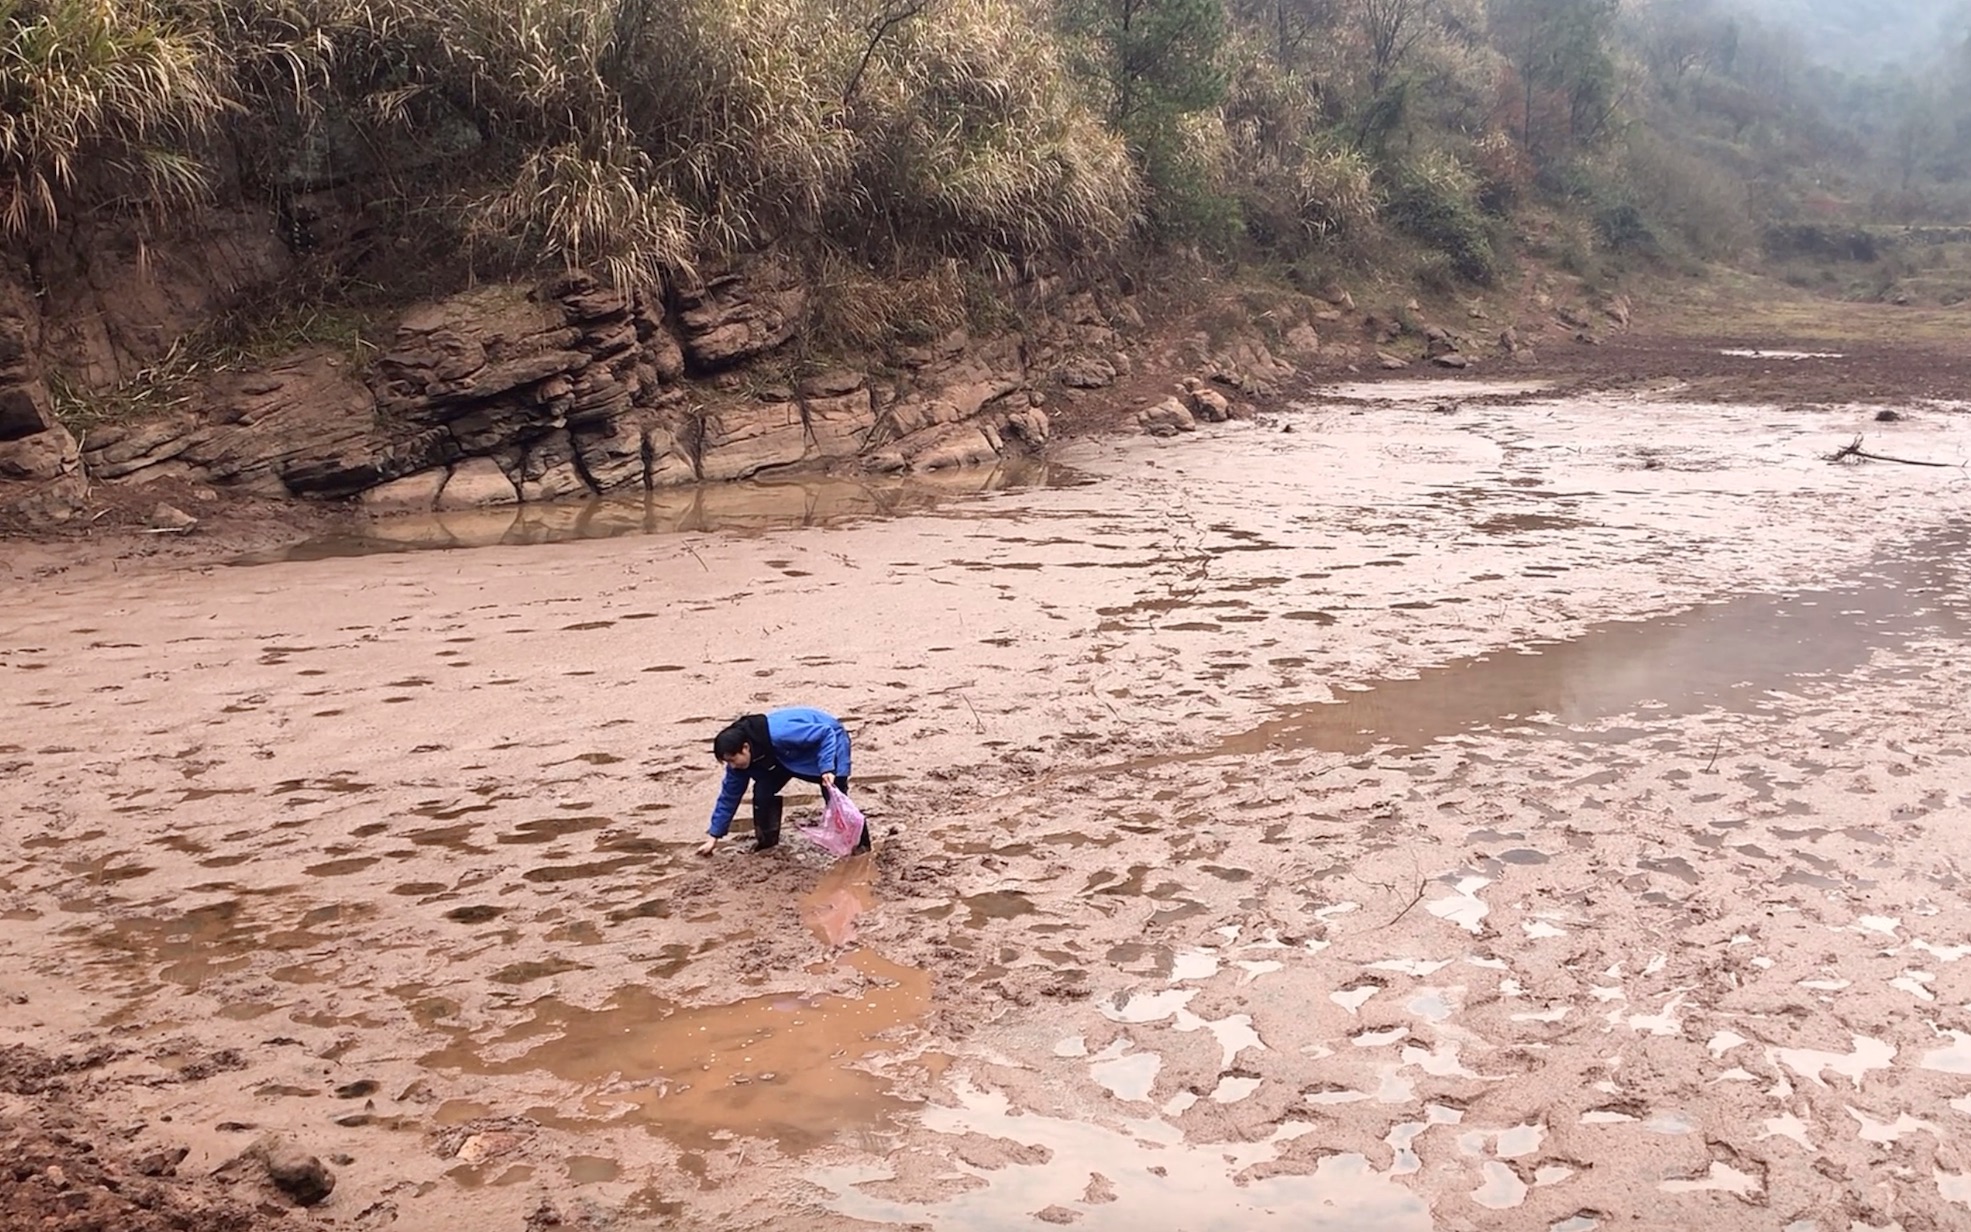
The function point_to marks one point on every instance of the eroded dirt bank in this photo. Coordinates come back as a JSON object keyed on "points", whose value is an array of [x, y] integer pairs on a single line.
{"points": [[1620, 886]]}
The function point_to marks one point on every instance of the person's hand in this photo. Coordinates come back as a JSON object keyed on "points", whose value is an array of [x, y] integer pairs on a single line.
{"points": [[708, 847], [828, 779]]}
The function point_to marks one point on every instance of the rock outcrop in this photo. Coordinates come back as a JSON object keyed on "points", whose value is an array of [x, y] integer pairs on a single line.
{"points": [[507, 395], [504, 395], [40, 467]]}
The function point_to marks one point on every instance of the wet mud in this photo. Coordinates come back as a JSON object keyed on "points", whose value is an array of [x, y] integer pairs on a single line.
{"points": [[1532, 813]]}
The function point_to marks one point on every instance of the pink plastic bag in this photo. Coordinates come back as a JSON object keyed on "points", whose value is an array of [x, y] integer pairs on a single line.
{"points": [[841, 825]]}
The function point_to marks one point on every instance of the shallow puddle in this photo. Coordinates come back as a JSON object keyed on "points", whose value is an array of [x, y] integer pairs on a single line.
{"points": [[753, 506], [775, 1067], [845, 892], [1730, 654]]}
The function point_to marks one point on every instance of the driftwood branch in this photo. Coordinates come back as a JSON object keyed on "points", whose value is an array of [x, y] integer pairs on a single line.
{"points": [[1854, 450]]}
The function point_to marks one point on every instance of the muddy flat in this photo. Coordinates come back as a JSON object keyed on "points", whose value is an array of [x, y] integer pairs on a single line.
{"points": [[1413, 810]]}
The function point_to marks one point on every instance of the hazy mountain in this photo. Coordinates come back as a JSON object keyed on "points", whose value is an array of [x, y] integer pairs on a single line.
{"points": [[1865, 34]]}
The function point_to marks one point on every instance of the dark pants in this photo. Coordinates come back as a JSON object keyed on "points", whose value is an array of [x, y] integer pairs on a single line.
{"points": [[767, 807]]}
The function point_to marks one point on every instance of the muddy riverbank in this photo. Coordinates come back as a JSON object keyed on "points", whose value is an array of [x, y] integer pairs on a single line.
{"points": [[1418, 809]]}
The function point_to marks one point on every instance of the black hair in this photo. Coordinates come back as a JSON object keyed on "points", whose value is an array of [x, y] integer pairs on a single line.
{"points": [[729, 741]]}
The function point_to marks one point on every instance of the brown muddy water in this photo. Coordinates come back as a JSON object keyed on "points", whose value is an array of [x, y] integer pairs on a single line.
{"points": [[788, 503], [1541, 815]]}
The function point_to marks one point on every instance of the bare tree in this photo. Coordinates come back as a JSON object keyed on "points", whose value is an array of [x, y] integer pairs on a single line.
{"points": [[1391, 28]]}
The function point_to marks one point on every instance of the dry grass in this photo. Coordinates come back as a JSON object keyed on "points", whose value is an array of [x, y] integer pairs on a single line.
{"points": [[647, 138], [102, 96], [1733, 304]]}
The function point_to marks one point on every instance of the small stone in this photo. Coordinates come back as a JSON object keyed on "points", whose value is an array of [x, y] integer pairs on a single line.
{"points": [[1886, 416], [170, 517], [161, 1163], [296, 1173]]}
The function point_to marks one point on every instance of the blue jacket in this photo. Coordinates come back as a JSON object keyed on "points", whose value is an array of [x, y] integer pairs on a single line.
{"points": [[806, 742]]}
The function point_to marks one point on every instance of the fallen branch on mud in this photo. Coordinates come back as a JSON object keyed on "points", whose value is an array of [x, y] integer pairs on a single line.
{"points": [[1421, 886], [1854, 450]]}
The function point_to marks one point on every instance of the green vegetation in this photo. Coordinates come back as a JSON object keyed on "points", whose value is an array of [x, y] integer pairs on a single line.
{"points": [[907, 153]]}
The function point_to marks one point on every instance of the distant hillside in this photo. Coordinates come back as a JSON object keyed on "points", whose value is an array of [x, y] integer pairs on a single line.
{"points": [[1863, 34]]}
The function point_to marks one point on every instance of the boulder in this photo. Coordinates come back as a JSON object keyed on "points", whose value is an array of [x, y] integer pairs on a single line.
{"points": [[1167, 418], [1208, 405], [1086, 372], [47, 502], [1450, 359], [45, 455], [1303, 340], [1390, 363], [474, 483], [411, 494]]}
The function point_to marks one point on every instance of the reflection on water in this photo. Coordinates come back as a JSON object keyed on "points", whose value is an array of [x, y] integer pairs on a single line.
{"points": [[1727, 654], [844, 892], [757, 505]]}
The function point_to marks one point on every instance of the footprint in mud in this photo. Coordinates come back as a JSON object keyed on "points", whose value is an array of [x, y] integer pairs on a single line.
{"points": [[477, 914]]}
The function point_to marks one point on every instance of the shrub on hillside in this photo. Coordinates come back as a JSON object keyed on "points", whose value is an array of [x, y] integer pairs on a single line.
{"points": [[972, 137], [1670, 190], [648, 138], [1435, 199]]}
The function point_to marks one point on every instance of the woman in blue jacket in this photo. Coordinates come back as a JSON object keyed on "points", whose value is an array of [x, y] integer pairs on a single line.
{"points": [[770, 750]]}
